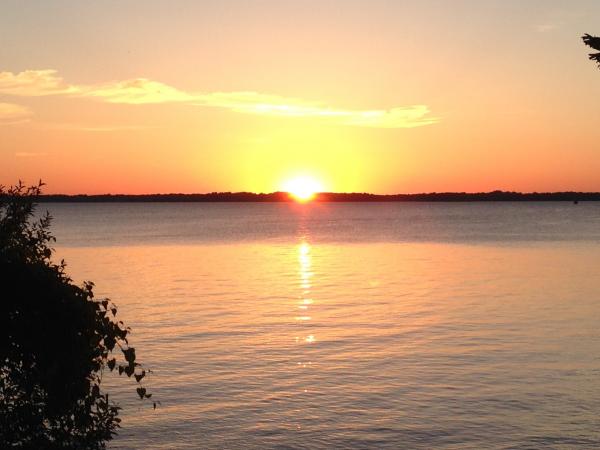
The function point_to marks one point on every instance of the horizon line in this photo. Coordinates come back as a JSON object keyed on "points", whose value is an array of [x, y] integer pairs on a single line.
{"points": [[284, 196], [494, 191]]}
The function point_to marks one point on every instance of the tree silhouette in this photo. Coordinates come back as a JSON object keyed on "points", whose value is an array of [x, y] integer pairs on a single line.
{"points": [[594, 42], [56, 340]]}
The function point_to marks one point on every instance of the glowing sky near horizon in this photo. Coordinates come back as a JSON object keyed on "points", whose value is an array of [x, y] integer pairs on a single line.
{"points": [[378, 96]]}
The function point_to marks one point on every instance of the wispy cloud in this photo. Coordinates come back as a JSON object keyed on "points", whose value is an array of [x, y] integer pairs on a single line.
{"points": [[141, 91], [29, 154], [137, 91], [34, 83], [546, 27], [556, 19], [271, 105], [11, 113], [90, 128]]}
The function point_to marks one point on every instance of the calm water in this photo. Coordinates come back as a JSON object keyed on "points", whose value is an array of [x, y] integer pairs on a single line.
{"points": [[351, 325]]}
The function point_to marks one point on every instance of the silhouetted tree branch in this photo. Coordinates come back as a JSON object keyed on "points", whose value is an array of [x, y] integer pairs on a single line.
{"points": [[594, 42], [56, 340]]}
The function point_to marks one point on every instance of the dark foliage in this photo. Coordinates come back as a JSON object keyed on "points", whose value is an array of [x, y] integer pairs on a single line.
{"points": [[56, 340], [594, 42]]}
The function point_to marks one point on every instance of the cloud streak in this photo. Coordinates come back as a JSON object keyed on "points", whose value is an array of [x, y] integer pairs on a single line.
{"points": [[546, 27], [90, 128], [141, 91], [11, 113], [34, 83], [29, 154]]}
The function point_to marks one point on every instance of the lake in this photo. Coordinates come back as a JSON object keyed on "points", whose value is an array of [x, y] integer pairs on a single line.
{"points": [[350, 325]]}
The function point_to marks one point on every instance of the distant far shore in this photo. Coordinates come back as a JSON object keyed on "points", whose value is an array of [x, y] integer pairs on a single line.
{"points": [[494, 196]]}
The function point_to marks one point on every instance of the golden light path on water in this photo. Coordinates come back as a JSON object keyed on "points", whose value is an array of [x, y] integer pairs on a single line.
{"points": [[306, 275]]}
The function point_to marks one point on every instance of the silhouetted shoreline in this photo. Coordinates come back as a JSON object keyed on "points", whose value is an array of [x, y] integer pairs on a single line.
{"points": [[495, 196]]}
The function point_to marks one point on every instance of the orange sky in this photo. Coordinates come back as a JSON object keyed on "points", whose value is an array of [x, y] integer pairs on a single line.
{"points": [[374, 96]]}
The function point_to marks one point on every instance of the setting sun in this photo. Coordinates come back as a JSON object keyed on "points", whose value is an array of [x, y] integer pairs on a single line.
{"points": [[303, 189]]}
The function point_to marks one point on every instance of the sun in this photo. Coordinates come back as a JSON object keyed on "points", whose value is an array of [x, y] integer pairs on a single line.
{"points": [[302, 189]]}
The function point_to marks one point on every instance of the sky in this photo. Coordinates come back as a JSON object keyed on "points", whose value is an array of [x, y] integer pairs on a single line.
{"points": [[374, 96]]}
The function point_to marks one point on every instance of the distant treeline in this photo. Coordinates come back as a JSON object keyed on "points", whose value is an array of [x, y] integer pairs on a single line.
{"points": [[495, 196]]}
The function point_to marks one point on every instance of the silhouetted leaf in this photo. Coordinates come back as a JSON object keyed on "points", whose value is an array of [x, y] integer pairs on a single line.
{"points": [[129, 355], [110, 342], [141, 391]]}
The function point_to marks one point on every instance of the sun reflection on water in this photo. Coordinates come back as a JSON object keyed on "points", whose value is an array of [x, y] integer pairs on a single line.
{"points": [[305, 303], [306, 274], [304, 258]]}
